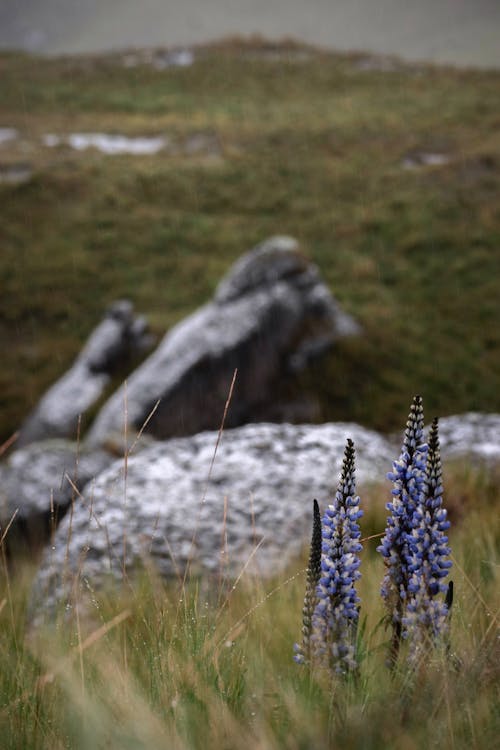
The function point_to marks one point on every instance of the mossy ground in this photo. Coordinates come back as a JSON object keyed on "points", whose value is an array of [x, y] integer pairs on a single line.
{"points": [[294, 141]]}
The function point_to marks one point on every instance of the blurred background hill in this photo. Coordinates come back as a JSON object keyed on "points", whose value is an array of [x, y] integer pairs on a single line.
{"points": [[143, 174], [462, 32]]}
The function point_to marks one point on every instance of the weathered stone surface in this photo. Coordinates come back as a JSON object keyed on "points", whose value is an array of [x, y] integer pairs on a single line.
{"points": [[251, 507], [37, 484], [270, 315], [474, 435], [116, 338], [262, 482]]}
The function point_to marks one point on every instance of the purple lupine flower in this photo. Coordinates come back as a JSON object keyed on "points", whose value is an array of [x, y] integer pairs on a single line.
{"points": [[426, 617], [303, 650], [336, 614], [408, 477]]}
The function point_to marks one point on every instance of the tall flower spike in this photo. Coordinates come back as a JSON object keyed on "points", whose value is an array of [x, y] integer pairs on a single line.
{"points": [[336, 613], [303, 650], [427, 616], [408, 479]]}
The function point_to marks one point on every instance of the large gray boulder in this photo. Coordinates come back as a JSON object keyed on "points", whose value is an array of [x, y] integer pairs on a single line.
{"points": [[117, 338], [249, 506], [170, 505], [37, 485], [270, 316]]}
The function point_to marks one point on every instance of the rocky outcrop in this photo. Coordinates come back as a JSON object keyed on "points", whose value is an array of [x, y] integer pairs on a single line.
{"points": [[252, 507], [246, 505], [116, 339], [37, 485], [269, 317]]}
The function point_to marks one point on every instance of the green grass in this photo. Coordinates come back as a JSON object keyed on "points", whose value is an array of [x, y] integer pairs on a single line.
{"points": [[308, 146], [210, 666]]}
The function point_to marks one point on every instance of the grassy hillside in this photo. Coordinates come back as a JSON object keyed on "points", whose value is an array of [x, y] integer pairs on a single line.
{"points": [[461, 33], [262, 140]]}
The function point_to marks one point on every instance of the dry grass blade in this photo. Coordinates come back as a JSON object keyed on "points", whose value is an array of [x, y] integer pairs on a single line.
{"points": [[144, 425], [474, 589], [8, 443], [256, 606], [83, 646], [11, 521], [217, 443]]}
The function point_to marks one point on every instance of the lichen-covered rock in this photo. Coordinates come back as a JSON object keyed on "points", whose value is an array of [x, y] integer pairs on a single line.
{"points": [[251, 507], [37, 484], [115, 339], [270, 315], [474, 435], [248, 505]]}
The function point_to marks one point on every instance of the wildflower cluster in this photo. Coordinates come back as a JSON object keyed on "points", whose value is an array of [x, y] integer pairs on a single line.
{"points": [[303, 650], [414, 547], [426, 616], [329, 635], [408, 479]]}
